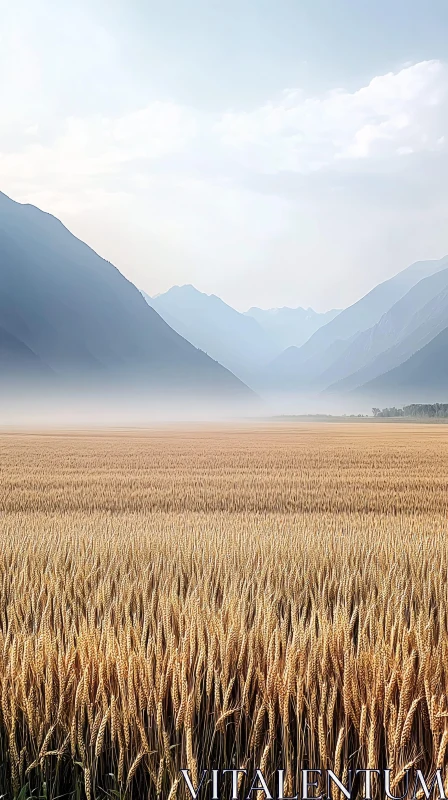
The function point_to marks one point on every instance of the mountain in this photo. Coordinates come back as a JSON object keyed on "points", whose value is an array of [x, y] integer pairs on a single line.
{"points": [[410, 324], [286, 371], [418, 379], [305, 366], [291, 326], [237, 341], [17, 361], [68, 313]]}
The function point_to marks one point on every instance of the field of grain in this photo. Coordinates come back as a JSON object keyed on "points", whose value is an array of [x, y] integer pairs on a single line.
{"points": [[271, 595]]}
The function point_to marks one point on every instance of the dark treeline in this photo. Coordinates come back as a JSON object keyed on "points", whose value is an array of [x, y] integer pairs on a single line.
{"points": [[414, 410]]}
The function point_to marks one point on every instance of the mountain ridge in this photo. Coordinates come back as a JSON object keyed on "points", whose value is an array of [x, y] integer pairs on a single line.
{"points": [[84, 319], [396, 332], [291, 326], [233, 339], [424, 373], [245, 342], [67, 314], [304, 369]]}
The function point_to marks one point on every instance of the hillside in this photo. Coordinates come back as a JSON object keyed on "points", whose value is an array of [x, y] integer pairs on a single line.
{"points": [[67, 309], [410, 324], [288, 373], [291, 327], [309, 360], [237, 341], [419, 378], [18, 361]]}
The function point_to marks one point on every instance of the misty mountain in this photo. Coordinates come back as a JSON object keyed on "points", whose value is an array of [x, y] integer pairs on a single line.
{"points": [[65, 310], [304, 366], [287, 373], [17, 361], [423, 375], [237, 341], [291, 327], [410, 324]]}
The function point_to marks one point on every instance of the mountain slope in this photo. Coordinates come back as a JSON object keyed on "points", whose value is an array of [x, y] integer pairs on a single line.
{"points": [[420, 377], [18, 361], [235, 340], [84, 320], [424, 326], [406, 327], [359, 317], [290, 327], [286, 371]]}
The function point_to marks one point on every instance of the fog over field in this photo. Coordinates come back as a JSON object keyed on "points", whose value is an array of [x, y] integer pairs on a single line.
{"points": [[78, 339]]}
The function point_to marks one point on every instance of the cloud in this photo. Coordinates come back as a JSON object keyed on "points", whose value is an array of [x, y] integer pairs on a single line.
{"points": [[97, 154], [304, 199], [396, 114]]}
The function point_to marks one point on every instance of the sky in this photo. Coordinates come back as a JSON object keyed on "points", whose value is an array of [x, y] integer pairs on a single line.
{"points": [[273, 152]]}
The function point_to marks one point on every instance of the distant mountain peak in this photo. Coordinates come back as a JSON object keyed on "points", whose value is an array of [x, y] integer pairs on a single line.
{"points": [[64, 307], [233, 339]]}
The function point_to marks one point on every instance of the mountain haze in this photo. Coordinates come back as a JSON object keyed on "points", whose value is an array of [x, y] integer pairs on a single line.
{"points": [[411, 322], [70, 319], [291, 327], [287, 373], [423, 376], [67, 312], [17, 361], [236, 340], [304, 367]]}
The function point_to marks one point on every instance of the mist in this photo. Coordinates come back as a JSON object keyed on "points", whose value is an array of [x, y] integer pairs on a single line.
{"points": [[139, 408]]}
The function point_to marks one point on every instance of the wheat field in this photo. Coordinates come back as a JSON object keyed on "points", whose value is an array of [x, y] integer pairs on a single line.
{"points": [[270, 595]]}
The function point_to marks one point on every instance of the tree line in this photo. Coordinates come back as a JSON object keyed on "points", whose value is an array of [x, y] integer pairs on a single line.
{"points": [[414, 410]]}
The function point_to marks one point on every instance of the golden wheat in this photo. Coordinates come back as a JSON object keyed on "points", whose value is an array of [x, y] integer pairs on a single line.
{"points": [[269, 596]]}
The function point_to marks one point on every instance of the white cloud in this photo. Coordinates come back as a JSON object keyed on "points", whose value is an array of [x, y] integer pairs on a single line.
{"points": [[396, 115], [407, 109], [294, 191], [88, 153]]}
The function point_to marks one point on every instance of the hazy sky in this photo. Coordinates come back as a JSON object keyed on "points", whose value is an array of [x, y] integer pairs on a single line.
{"points": [[274, 152]]}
